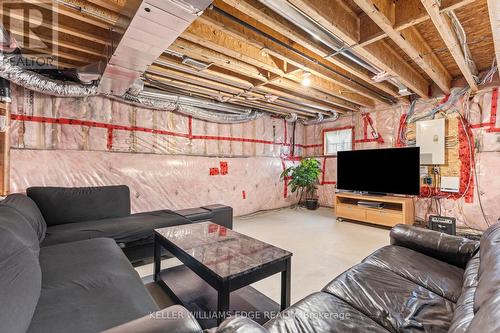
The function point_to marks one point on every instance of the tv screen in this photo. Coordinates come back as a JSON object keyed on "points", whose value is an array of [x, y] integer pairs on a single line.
{"points": [[393, 170]]}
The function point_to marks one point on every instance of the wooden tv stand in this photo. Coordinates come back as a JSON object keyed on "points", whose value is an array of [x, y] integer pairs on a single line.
{"points": [[396, 210]]}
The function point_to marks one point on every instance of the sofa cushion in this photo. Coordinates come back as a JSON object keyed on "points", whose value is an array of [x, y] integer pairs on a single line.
{"points": [[88, 286], [322, 312], [444, 279], [66, 205], [28, 208], [393, 301], [487, 295], [464, 309], [122, 229], [20, 276], [451, 249]]}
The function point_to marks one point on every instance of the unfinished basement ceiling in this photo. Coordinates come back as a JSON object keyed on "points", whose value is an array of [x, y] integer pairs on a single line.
{"points": [[244, 52]]}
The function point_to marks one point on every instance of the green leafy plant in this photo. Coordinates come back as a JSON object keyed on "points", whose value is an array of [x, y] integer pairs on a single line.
{"points": [[304, 177]]}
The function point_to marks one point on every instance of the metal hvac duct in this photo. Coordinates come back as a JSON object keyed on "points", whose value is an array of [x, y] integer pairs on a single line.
{"points": [[195, 101], [154, 27]]}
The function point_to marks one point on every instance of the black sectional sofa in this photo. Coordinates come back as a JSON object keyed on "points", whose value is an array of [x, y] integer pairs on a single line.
{"points": [[423, 282], [80, 213], [62, 268]]}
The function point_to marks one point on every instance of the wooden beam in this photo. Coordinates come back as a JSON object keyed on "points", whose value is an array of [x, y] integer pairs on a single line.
{"points": [[408, 14], [333, 16], [225, 37], [79, 10], [215, 94], [60, 27], [409, 40], [5, 149], [247, 87], [262, 17], [238, 87], [443, 25], [19, 34], [233, 65], [494, 11], [212, 82]]}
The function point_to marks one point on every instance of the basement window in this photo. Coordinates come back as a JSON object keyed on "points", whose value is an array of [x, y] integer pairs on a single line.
{"points": [[335, 140]]}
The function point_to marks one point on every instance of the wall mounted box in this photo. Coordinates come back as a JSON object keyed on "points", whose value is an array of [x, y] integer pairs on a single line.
{"points": [[450, 184], [430, 139]]}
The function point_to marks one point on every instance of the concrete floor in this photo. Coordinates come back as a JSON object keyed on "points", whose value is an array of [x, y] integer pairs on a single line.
{"points": [[322, 247]]}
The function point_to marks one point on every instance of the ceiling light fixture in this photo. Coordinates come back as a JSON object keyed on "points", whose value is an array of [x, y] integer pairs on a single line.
{"points": [[306, 79]]}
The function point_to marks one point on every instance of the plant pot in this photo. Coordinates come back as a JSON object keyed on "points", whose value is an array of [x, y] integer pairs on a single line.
{"points": [[312, 204]]}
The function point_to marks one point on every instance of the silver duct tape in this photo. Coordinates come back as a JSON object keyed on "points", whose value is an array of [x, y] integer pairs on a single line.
{"points": [[40, 83]]}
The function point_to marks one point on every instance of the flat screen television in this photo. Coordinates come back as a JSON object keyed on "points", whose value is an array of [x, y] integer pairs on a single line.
{"points": [[382, 171]]}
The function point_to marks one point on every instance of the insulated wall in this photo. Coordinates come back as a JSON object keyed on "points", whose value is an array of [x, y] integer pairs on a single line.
{"points": [[169, 161], [480, 113]]}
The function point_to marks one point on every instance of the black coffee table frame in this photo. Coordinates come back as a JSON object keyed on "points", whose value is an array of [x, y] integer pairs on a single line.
{"points": [[223, 286]]}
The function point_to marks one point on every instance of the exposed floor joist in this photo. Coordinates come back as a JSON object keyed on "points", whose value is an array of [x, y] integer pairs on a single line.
{"points": [[443, 25], [228, 45], [216, 32], [407, 14], [237, 66], [263, 17], [204, 79], [494, 11], [342, 22], [409, 40]]}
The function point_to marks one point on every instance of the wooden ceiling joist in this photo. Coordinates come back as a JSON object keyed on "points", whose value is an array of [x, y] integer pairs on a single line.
{"points": [[214, 94], [263, 17], [249, 47], [341, 22], [494, 12], [407, 14], [409, 40], [201, 53], [95, 35], [235, 89], [443, 25]]}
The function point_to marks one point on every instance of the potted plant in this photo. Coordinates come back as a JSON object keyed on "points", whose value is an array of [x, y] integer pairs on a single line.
{"points": [[304, 180]]}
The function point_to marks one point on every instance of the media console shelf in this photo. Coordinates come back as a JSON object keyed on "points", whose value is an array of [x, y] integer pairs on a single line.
{"points": [[395, 209]]}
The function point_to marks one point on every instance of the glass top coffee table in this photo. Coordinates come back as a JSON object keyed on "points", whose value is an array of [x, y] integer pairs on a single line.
{"points": [[223, 258]]}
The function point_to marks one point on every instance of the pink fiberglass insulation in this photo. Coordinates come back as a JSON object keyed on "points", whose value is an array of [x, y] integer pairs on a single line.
{"points": [[157, 181], [164, 157]]}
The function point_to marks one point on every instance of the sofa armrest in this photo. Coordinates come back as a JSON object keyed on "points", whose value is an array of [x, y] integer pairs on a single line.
{"points": [[238, 325], [451, 249], [174, 319]]}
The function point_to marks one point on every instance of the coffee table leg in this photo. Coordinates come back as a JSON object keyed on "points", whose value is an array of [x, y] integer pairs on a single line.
{"points": [[222, 303], [285, 285], [157, 259]]}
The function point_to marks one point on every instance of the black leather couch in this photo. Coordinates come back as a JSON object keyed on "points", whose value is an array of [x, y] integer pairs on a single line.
{"points": [[80, 213], [424, 281], [62, 276]]}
